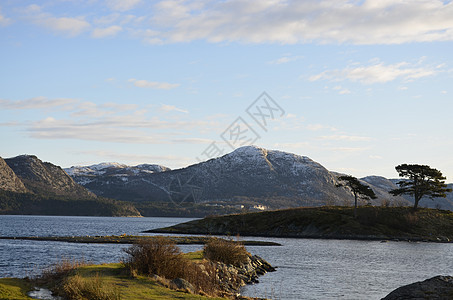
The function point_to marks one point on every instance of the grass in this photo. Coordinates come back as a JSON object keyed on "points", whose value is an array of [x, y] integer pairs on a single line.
{"points": [[226, 251], [140, 287], [113, 277], [14, 288], [146, 274]]}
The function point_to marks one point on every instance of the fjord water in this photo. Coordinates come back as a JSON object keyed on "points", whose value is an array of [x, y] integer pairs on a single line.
{"points": [[307, 268]]}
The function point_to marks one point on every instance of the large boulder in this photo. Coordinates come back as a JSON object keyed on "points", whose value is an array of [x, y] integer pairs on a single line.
{"points": [[439, 288]]}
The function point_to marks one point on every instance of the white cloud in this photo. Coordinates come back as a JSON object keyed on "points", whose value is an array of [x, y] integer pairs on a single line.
{"points": [[377, 73], [122, 5], [289, 22], [350, 138], [153, 84], [167, 108], [106, 32], [4, 20], [69, 26], [284, 59], [317, 127], [341, 90], [271, 21], [39, 103]]}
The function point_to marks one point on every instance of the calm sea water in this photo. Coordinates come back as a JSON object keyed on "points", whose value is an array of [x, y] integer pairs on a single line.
{"points": [[307, 268]]}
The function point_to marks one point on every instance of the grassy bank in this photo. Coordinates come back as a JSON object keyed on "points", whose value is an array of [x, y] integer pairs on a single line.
{"points": [[108, 277], [329, 222], [154, 269]]}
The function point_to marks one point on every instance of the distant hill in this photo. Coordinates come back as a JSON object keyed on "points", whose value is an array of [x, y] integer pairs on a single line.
{"points": [[45, 178], [9, 180], [30, 186]]}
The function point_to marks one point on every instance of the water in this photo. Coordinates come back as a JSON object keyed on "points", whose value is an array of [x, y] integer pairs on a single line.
{"points": [[307, 268], [20, 258], [343, 269]]}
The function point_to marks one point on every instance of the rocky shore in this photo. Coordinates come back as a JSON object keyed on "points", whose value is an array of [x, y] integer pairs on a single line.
{"points": [[232, 278], [439, 288]]}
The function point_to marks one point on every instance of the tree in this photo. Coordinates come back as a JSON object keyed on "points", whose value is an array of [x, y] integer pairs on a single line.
{"points": [[357, 188], [421, 181]]}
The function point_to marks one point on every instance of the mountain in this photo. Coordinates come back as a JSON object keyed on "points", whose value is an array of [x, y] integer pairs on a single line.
{"points": [[8, 179], [44, 178], [30, 186], [117, 181], [247, 173]]}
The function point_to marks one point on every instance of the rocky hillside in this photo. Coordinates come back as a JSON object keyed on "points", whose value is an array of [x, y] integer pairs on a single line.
{"points": [[272, 178], [8, 179], [246, 172], [44, 178], [30, 186], [118, 181]]}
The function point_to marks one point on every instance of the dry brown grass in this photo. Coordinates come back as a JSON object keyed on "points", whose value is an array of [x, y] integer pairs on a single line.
{"points": [[163, 258], [226, 251], [78, 288], [60, 270]]}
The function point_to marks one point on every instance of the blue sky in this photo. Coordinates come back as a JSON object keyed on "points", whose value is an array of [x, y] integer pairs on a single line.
{"points": [[358, 86]]}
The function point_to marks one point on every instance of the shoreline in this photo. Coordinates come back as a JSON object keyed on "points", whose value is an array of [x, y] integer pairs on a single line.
{"points": [[130, 239], [325, 237]]}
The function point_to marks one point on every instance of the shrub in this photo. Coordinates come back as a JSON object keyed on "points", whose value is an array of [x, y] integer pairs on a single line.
{"points": [[77, 288], [159, 256], [59, 270], [226, 251]]}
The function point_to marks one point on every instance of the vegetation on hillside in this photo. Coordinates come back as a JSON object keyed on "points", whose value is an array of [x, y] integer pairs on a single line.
{"points": [[32, 204], [329, 222]]}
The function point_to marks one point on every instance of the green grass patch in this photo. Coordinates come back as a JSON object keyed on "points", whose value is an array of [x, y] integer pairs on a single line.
{"points": [[116, 277], [14, 288]]}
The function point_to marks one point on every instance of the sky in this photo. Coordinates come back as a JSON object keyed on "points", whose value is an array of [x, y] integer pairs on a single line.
{"points": [[358, 86]]}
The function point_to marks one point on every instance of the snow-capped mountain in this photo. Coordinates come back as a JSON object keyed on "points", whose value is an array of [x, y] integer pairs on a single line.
{"points": [[115, 180], [249, 172], [272, 178]]}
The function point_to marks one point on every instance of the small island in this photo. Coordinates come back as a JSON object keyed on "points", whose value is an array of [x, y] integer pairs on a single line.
{"points": [[329, 222]]}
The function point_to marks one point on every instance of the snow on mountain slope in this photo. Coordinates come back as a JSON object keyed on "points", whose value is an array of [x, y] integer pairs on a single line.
{"points": [[249, 171]]}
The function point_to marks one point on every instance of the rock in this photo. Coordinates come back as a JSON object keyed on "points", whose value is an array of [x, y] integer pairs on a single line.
{"points": [[182, 284], [439, 288]]}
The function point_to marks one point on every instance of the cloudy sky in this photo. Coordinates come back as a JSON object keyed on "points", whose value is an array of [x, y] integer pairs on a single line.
{"points": [[358, 86]]}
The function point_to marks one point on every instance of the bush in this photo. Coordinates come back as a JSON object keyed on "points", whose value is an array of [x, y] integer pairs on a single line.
{"points": [[159, 256], [226, 251], [78, 288], [59, 270]]}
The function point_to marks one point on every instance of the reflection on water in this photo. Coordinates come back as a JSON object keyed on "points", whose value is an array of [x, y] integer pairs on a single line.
{"points": [[307, 269]]}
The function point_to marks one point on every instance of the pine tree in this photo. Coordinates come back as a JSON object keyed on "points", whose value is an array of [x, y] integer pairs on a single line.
{"points": [[421, 181], [357, 188]]}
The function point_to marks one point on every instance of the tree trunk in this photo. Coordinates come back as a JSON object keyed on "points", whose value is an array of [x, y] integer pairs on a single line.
{"points": [[417, 199]]}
